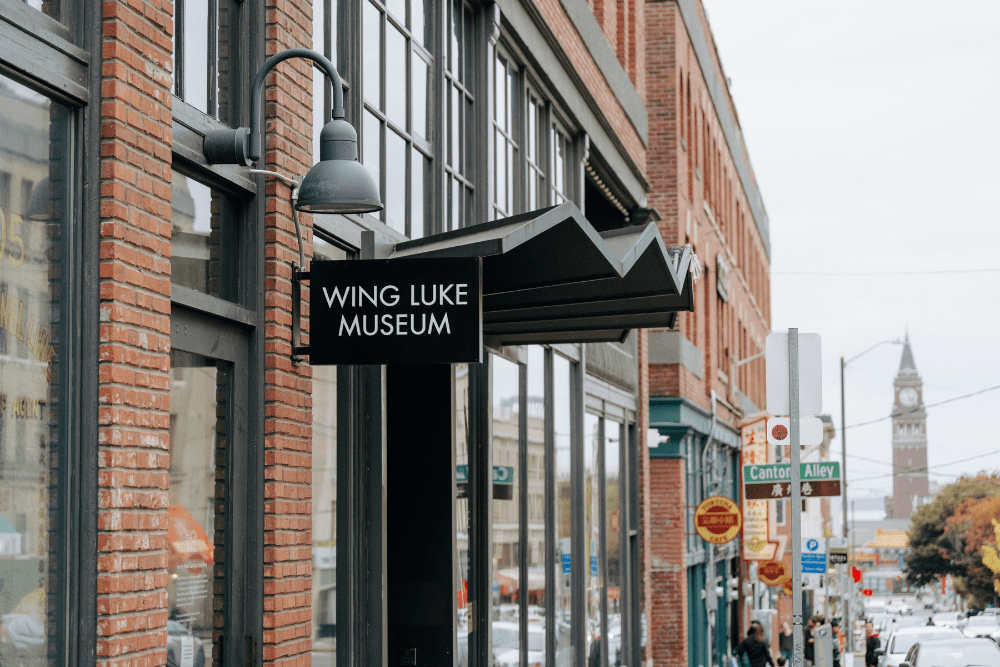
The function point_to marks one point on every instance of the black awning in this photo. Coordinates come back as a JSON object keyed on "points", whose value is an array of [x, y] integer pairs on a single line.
{"points": [[550, 277]]}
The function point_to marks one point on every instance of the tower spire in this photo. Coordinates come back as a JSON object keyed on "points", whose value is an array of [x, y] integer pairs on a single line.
{"points": [[907, 363]]}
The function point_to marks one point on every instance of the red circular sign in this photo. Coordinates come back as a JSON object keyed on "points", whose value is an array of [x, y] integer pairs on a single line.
{"points": [[771, 572], [718, 520], [779, 432]]}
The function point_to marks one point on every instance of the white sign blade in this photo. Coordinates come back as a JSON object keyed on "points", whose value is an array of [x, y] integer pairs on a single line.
{"points": [[810, 431], [810, 374]]}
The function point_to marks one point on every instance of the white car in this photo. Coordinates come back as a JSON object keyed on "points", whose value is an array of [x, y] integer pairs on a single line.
{"points": [[952, 619], [981, 626], [894, 650], [506, 647]]}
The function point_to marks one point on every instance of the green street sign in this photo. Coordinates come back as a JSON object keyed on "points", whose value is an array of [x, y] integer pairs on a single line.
{"points": [[765, 473]]}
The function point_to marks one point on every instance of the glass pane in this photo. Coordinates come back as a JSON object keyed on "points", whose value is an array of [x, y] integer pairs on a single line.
{"points": [[455, 123], [371, 48], [507, 584], [461, 379], [455, 203], [320, 44], [535, 479], [324, 502], [612, 536], [592, 535], [562, 409], [398, 9], [194, 59], [202, 217], [418, 167], [199, 387], [228, 43], [500, 172], [499, 94], [420, 26], [48, 7], [33, 213], [421, 75], [395, 76], [454, 39], [372, 146], [395, 181]]}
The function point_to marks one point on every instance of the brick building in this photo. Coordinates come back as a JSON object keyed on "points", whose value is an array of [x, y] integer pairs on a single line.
{"points": [[705, 380], [177, 487]]}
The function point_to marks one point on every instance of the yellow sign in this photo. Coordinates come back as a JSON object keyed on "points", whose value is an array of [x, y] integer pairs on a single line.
{"points": [[718, 519], [757, 538]]}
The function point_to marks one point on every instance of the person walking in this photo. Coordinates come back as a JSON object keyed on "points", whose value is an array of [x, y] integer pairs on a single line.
{"points": [[808, 647], [872, 643], [786, 642], [752, 651]]}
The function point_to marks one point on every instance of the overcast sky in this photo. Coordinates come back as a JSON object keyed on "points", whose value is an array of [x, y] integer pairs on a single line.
{"points": [[873, 128]]}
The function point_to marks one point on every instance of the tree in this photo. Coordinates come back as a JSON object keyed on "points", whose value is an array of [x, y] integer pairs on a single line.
{"points": [[934, 550], [975, 524]]}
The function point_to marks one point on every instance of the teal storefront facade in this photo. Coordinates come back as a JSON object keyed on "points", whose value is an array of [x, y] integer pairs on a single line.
{"points": [[708, 450]]}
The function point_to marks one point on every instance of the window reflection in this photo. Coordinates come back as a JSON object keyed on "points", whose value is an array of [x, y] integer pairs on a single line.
{"points": [[33, 218], [324, 499], [461, 384], [203, 218], [612, 532], [592, 536], [562, 410], [507, 584], [535, 479], [199, 388]]}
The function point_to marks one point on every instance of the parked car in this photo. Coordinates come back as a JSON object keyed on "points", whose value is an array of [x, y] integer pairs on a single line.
{"points": [[981, 626], [506, 647], [178, 635], [897, 645], [953, 619], [953, 653]]}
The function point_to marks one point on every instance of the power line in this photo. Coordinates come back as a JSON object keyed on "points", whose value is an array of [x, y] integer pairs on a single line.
{"points": [[880, 273], [927, 469], [923, 407]]}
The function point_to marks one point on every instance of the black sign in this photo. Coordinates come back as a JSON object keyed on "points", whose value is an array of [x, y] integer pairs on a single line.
{"points": [[399, 311], [837, 558], [808, 489]]}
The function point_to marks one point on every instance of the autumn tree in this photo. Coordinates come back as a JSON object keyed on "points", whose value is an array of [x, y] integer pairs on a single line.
{"points": [[938, 548], [974, 524]]}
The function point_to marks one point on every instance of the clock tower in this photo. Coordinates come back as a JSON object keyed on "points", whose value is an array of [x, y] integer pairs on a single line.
{"points": [[909, 440]]}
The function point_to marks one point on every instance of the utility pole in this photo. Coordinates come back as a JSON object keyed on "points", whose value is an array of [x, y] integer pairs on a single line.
{"points": [[845, 582], [793, 433]]}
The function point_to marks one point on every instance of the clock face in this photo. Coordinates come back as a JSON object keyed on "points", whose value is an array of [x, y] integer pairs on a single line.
{"points": [[908, 396]]}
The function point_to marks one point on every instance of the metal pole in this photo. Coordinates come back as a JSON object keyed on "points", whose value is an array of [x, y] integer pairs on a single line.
{"points": [[849, 646], [793, 437]]}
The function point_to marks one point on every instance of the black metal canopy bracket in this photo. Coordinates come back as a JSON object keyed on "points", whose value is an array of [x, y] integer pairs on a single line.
{"points": [[242, 146], [298, 350]]}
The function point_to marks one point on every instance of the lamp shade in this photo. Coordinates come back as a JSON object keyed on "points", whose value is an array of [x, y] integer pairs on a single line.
{"points": [[338, 183], [339, 186]]}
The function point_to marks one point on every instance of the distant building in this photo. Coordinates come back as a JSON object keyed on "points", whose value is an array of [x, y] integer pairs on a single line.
{"points": [[909, 441]]}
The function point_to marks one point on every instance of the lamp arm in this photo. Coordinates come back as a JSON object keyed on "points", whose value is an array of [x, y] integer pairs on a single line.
{"points": [[256, 103], [242, 146]]}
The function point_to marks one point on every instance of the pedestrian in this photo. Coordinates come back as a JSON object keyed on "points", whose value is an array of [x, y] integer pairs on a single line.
{"points": [[835, 629], [808, 647], [838, 646], [752, 651], [786, 642], [872, 643]]}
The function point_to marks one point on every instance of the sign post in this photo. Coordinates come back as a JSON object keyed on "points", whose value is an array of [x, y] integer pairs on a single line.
{"points": [[794, 394]]}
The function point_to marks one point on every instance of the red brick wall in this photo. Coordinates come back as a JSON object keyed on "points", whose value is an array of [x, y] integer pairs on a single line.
{"points": [[134, 382], [287, 387], [668, 622]]}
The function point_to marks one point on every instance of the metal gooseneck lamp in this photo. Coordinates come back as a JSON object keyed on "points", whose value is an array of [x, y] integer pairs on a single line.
{"points": [[338, 183]]}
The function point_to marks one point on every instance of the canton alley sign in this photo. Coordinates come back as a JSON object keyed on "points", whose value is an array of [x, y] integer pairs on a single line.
{"points": [[773, 480], [399, 311]]}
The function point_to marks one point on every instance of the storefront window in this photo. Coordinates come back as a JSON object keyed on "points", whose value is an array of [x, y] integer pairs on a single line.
{"points": [[562, 411], [199, 390], [461, 425], [505, 149], [592, 535], [35, 180], [324, 499], [612, 532], [205, 39], [507, 584], [204, 244], [535, 510]]}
